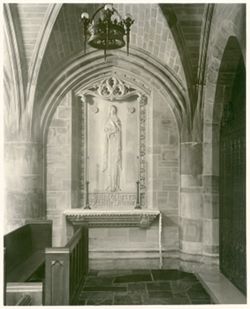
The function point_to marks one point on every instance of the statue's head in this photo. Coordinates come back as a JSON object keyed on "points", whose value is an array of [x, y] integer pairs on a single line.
{"points": [[113, 110]]}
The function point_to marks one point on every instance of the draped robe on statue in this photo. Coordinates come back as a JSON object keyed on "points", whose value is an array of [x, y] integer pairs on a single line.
{"points": [[113, 151]]}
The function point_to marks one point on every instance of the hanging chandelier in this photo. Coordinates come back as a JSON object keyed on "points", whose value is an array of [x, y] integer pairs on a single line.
{"points": [[106, 29]]}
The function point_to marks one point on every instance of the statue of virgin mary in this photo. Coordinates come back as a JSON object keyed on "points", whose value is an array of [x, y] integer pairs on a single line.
{"points": [[113, 150]]}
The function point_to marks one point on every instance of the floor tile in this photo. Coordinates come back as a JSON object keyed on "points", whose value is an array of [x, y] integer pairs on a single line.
{"points": [[171, 274], [198, 287], [180, 299], [100, 298], [92, 281], [133, 278], [156, 301], [180, 286], [160, 294], [127, 299], [142, 271], [197, 292], [138, 286], [158, 286], [114, 273], [201, 301], [105, 288]]}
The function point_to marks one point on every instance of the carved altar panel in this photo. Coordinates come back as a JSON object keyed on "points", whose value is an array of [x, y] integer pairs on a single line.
{"points": [[113, 164], [113, 145]]}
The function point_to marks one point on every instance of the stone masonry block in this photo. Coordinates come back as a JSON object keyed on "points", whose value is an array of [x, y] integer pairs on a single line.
{"points": [[173, 199], [191, 158], [64, 113], [211, 232], [211, 205], [211, 183], [169, 155], [191, 205], [98, 233], [59, 123], [137, 235], [121, 233], [170, 238], [191, 230]]}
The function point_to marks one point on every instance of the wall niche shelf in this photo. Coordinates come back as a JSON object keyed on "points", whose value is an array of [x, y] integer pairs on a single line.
{"points": [[142, 218]]}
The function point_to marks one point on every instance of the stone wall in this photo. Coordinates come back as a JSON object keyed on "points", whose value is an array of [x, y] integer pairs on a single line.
{"points": [[23, 183], [129, 246], [135, 247], [166, 171]]}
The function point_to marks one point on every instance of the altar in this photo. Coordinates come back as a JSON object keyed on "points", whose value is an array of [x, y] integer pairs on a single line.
{"points": [[140, 218]]}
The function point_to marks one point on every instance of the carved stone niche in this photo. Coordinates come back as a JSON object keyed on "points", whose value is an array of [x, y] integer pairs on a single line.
{"points": [[112, 218], [111, 90]]}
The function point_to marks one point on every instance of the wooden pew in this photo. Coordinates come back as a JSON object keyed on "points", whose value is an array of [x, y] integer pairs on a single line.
{"points": [[66, 268], [24, 256], [25, 249]]}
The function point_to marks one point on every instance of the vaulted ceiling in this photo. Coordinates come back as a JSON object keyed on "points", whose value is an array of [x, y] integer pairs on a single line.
{"points": [[186, 22], [174, 34], [148, 33]]}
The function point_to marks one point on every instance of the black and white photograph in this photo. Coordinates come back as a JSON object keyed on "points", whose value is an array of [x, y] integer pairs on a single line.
{"points": [[124, 153]]}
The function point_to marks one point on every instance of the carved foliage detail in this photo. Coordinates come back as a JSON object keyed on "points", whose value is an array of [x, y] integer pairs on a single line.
{"points": [[112, 88], [142, 99]]}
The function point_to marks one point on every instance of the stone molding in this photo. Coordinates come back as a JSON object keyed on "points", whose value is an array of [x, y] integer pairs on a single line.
{"points": [[112, 218]]}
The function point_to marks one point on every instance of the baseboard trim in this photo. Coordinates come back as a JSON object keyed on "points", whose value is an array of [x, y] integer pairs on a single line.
{"points": [[124, 259]]}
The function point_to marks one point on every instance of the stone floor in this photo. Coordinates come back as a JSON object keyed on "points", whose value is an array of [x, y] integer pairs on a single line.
{"points": [[142, 287]]}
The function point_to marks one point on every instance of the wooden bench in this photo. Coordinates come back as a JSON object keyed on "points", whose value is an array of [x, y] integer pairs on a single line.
{"points": [[65, 269], [25, 250]]}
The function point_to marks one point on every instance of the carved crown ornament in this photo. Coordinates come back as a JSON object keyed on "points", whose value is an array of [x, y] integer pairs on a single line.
{"points": [[111, 88]]}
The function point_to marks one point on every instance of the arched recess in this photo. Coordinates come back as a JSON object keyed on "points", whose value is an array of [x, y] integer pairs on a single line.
{"points": [[232, 161], [224, 137], [140, 66], [137, 69], [145, 76]]}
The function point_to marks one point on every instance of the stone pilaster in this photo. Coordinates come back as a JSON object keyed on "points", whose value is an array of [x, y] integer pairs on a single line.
{"points": [[191, 210], [23, 183], [59, 159], [211, 189]]}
